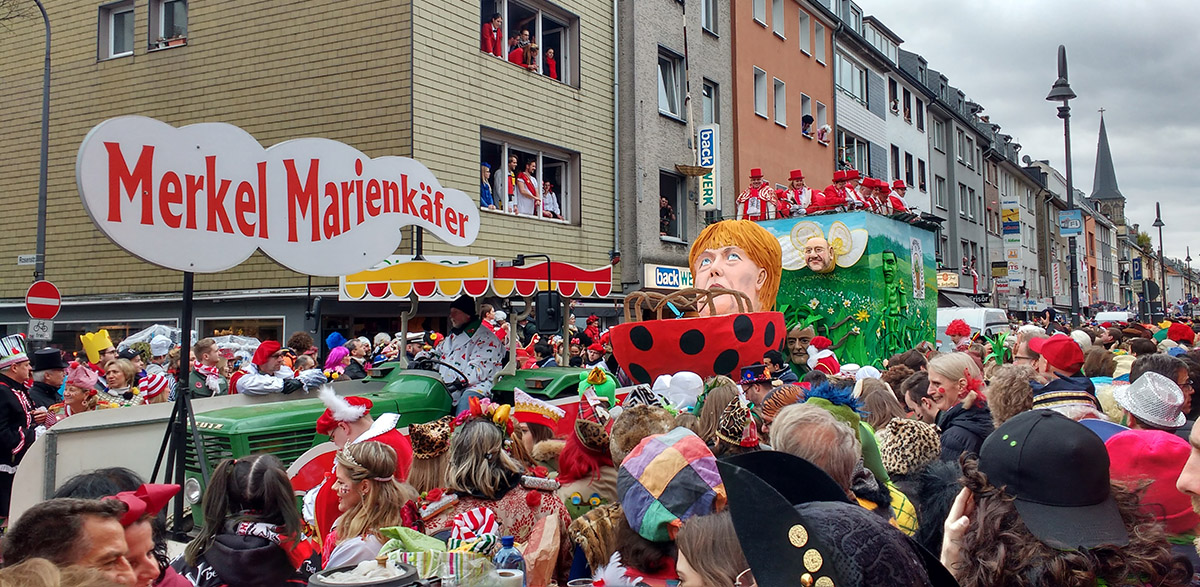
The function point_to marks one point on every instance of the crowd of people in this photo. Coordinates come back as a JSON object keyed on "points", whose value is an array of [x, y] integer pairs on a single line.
{"points": [[1040, 456], [521, 48], [527, 195], [849, 191]]}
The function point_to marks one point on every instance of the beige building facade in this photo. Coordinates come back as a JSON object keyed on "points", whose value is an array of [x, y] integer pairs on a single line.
{"points": [[403, 78]]}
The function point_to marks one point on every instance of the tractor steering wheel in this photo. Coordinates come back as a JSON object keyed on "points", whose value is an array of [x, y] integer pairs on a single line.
{"points": [[430, 364]]}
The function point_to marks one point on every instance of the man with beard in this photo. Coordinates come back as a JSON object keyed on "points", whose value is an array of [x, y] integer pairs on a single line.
{"points": [[473, 350]]}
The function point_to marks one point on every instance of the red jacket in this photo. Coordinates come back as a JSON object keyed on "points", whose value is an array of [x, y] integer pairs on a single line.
{"points": [[552, 68], [517, 56], [489, 41]]}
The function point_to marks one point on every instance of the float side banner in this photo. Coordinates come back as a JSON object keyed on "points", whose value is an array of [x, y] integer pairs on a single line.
{"points": [[204, 197]]}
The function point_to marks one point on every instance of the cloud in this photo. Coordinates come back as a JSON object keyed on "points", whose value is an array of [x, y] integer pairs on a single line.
{"points": [[204, 197], [1136, 62]]}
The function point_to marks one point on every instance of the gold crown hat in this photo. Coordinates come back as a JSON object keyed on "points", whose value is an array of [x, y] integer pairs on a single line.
{"points": [[531, 410], [94, 342]]}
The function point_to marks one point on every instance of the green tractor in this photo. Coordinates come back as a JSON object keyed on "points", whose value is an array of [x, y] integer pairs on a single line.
{"points": [[287, 429]]}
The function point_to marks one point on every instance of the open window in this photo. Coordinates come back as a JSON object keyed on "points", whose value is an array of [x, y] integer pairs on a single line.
{"points": [[554, 31], [670, 83], [554, 176], [670, 211]]}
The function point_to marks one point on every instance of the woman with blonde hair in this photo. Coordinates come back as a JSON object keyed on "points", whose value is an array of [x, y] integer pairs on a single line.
{"points": [[431, 461], [370, 498], [121, 375], [709, 553], [721, 390], [879, 402], [956, 390]]}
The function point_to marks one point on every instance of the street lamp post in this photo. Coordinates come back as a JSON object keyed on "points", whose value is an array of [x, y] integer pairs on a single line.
{"points": [[1162, 267], [1061, 92], [39, 266], [1187, 278]]}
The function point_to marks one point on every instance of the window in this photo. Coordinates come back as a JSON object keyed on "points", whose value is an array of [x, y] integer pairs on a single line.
{"points": [[805, 33], [978, 160], [559, 169], [939, 135], [851, 78], [819, 42], [760, 92], [856, 19], [116, 30], [964, 204], [920, 115], [260, 328], [821, 121], [670, 83], [547, 25], [908, 169], [895, 162], [972, 203], [670, 217], [708, 15], [907, 106], [921, 175], [961, 145], [777, 18], [969, 155], [168, 21], [710, 100], [893, 101], [939, 191], [760, 11], [780, 103], [806, 115], [855, 152]]}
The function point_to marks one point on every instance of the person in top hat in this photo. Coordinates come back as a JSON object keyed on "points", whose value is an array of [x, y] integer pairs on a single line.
{"points": [[756, 202], [472, 349], [19, 418], [835, 193], [264, 373], [757, 382], [855, 199], [1039, 508], [896, 199], [797, 198], [346, 421], [868, 188], [49, 370]]}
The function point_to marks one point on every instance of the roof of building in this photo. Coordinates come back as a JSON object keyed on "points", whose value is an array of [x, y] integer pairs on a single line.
{"points": [[1104, 183]]}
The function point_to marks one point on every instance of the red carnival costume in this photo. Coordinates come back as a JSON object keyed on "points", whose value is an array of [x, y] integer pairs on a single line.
{"points": [[756, 203]]}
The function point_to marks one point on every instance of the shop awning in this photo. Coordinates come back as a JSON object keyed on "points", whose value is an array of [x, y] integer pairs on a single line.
{"points": [[950, 299], [448, 277]]}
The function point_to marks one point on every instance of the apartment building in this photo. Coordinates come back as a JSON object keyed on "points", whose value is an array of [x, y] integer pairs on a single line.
{"points": [[662, 209], [406, 78], [783, 98]]}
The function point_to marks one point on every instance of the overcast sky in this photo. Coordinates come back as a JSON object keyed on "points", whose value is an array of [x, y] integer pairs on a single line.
{"points": [[1140, 62]]}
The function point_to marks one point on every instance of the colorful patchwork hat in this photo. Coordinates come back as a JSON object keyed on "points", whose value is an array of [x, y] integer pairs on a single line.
{"points": [[531, 410], [431, 439], [12, 350], [667, 479]]}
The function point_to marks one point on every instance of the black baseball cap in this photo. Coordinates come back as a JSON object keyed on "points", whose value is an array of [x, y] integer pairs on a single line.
{"points": [[1056, 471]]}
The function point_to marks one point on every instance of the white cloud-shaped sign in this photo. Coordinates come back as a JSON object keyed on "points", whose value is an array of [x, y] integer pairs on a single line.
{"points": [[204, 197]]}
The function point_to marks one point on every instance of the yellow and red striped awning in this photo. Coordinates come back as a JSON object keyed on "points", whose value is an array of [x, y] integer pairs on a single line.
{"points": [[450, 277]]}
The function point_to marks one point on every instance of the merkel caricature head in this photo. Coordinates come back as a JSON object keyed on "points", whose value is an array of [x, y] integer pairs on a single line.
{"points": [[739, 255]]}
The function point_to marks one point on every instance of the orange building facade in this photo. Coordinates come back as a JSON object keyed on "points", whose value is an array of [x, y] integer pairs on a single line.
{"points": [[782, 58]]}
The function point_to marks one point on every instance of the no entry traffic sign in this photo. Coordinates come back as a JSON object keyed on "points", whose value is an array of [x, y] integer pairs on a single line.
{"points": [[43, 301]]}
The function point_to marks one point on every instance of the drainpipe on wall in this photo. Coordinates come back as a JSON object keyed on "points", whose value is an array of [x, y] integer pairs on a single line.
{"points": [[833, 46], [616, 136]]}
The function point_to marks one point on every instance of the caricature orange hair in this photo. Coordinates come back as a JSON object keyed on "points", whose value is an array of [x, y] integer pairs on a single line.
{"points": [[758, 243]]}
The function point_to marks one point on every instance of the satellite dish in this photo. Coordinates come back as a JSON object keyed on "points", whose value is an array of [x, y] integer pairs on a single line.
{"points": [[1026, 160]]}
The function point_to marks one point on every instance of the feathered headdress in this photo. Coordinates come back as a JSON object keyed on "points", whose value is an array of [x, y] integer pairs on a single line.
{"points": [[340, 409]]}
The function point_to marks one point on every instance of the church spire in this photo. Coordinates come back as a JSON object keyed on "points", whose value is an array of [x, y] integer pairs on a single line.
{"points": [[1104, 183]]}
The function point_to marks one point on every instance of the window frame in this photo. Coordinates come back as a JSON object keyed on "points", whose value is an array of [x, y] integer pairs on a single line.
{"points": [[568, 49], [964, 204], [569, 192], [821, 118], [780, 101], [857, 76], [819, 42], [760, 93], [921, 176], [106, 29], [920, 105], [939, 192], [713, 97], [778, 20], [760, 12], [676, 62], [158, 38], [939, 135], [895, 159], [805, 33], [909, 172], [708, 16], [680, 199]]}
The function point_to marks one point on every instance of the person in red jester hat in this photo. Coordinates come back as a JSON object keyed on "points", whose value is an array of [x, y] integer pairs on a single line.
{"points": [[346, 421], [960, 335]]}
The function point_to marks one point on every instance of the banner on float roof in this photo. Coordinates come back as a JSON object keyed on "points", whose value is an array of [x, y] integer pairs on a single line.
{"points": [[204, 197]]}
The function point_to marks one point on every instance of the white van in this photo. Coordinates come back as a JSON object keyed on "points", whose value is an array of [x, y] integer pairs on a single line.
{"points": [[1114, 317], [989, 321]]}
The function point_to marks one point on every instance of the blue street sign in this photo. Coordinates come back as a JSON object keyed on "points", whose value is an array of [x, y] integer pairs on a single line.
{"points": [[1137, 268]]}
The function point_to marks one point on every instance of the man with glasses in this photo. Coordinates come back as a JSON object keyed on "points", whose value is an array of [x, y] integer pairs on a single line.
{"points": [[1025, 355]]}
